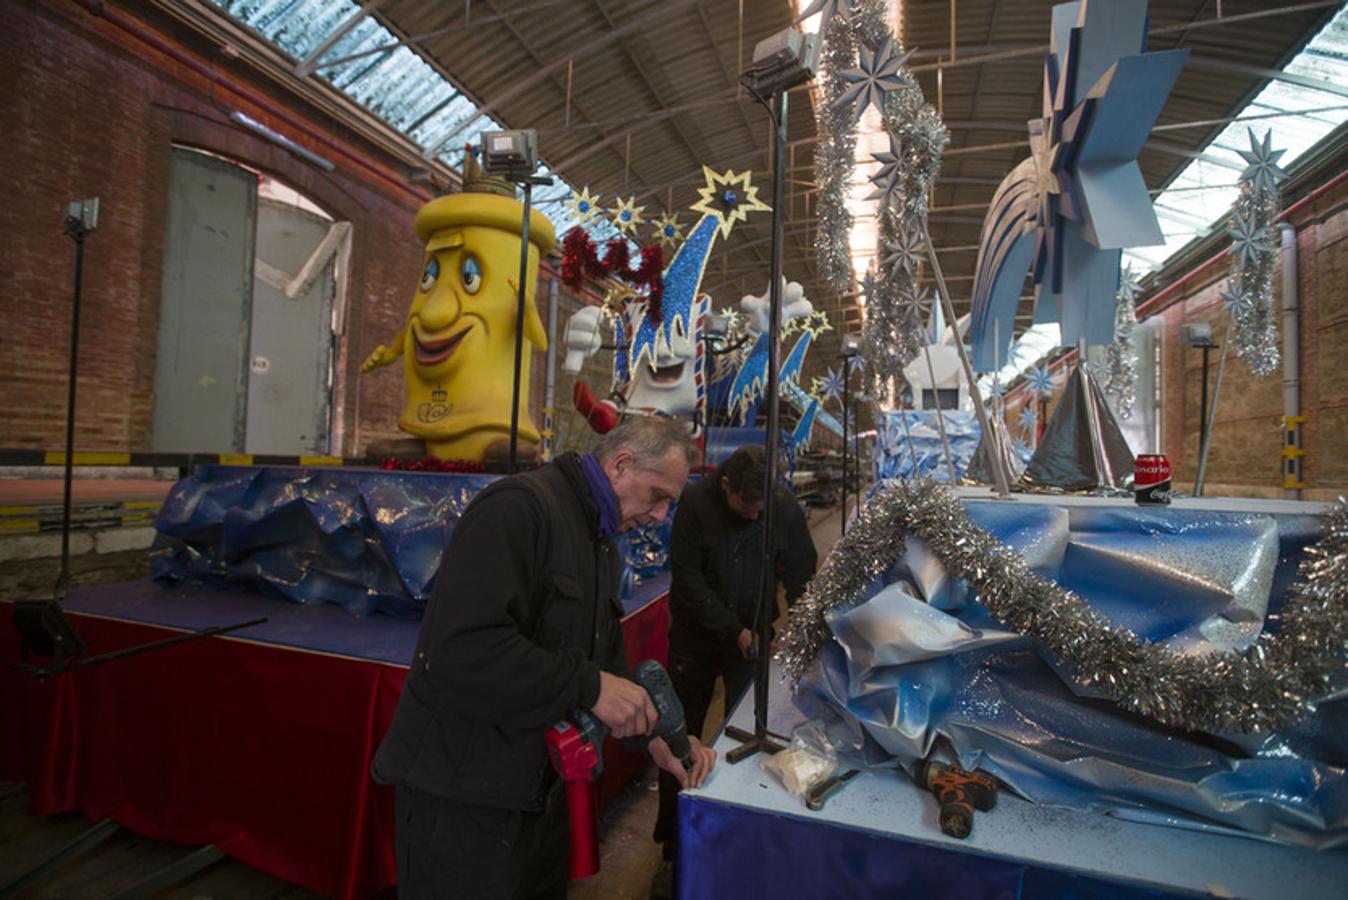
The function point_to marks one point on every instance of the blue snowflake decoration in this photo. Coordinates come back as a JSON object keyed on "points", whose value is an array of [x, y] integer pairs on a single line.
{"points": [[1042, 381]]}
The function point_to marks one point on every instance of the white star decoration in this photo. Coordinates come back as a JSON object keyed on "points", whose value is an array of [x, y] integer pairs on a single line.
{"points": [[730, 196], [1127, 285], [1029, 417], [867, 289], [1247, 239], [1234, 297], [1263, 171], [886, 180], [584, 205], [627, 215], [914, 303], [876, 74], [830, 387], [907, 254], [668, 230]]}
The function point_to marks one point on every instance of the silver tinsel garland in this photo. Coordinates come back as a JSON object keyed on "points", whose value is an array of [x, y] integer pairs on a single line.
{"points": [[834, 157], [1120, 377], [1254, 320], [894, 329], [1272, 685], [893, 333]]}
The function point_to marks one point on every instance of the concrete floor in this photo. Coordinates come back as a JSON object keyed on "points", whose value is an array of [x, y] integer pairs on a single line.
{"points": [[629, 857]]}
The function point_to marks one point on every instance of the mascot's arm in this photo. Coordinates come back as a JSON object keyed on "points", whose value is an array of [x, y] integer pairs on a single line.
{"points": [[383, 356]]}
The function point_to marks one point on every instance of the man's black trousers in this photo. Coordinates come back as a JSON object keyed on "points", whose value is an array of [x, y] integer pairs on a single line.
{"points": [[449, 850]]}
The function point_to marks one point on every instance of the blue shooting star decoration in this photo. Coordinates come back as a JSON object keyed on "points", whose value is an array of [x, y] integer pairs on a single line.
{"points": [[725, 199], [1067, 212]]}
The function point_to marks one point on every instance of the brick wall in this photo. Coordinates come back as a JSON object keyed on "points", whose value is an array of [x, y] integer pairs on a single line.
{"points": [[90, 109]]}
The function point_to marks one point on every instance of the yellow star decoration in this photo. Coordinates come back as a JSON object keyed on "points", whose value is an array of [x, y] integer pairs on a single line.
{"points": [[729, 196], [668, 230], [627, 215], [585, 206], [816, 323], [817, 389]]}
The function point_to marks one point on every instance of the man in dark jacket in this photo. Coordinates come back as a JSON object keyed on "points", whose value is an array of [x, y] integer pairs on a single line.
{"points": [[524, 627], [716, 553]]}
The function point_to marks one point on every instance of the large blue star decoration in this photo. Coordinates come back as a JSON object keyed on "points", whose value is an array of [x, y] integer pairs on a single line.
{"points": [[1248, 238], [876, 74], [1069, 210], [1262, 170], [1042, 381], [1029, 416]]}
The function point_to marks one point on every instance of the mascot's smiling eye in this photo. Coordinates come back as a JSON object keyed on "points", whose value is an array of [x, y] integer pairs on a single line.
{"points": [[428, 277], [471, 274]]}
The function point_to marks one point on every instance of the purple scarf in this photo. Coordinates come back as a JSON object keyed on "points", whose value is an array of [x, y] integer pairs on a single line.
{"points": [[602, 492]]}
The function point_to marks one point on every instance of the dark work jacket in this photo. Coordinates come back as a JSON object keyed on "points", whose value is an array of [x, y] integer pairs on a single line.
{"points": [[523, 617], [717, 561]]}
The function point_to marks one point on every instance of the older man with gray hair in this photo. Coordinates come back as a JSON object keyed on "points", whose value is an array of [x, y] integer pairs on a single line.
{"points": [[522, 628]]}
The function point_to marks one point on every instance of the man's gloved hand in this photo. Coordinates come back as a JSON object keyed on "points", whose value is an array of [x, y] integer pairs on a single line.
{"points": [[582, 339]]}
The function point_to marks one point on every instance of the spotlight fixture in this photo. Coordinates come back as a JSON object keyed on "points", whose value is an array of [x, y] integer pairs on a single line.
{"points": [[781, 62], [82, 214], [717, 325], [510, 154], [851, 345], [1197, 334]]}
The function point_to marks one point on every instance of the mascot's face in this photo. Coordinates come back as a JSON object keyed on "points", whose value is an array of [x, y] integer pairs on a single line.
{"points": [[670, 385], [459, 350], [463, 306]]}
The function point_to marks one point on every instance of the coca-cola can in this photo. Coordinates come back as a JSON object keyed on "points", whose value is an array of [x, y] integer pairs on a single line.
{"points": [[1151, 478]]}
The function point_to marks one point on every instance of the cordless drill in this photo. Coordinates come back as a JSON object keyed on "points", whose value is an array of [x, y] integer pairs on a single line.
{"points": [[575, 746], [958, 792]]}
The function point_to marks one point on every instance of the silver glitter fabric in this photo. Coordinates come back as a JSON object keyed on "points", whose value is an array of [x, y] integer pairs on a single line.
{"points": [[1273, 684]]}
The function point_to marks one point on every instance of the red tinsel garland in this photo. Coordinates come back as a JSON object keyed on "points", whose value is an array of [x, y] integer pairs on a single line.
{"points": [[579, 258], [432, 464]]}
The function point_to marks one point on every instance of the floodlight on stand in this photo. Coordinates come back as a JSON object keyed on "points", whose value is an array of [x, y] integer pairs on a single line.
{"points": [[1197, 334], [510, 154], [851, 345], [781, 62], [717, 325]]}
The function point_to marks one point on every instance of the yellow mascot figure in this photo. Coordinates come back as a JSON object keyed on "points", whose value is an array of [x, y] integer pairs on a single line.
{"points": [[458, 343]]}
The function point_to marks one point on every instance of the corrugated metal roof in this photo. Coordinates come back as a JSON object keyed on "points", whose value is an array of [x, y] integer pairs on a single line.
{"points": [[651, 86]]}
